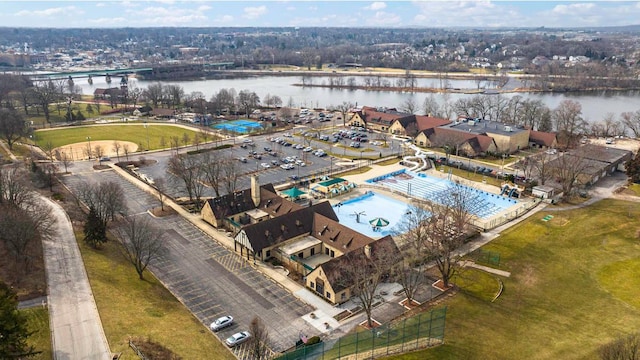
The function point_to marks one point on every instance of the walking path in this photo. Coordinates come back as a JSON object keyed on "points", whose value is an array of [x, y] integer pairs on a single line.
{"points": [[76, 328]]}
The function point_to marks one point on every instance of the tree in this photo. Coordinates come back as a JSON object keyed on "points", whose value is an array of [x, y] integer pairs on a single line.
{"points": [[15, 189], [185, 139], [188, 171], [117, 147], [13, 127], [154, 93], [447, 227], [98, 150], [248, 100], [411, 232], [95, 231], [230, 174], [141, 242], [344, 110], [569, 169], [259, 338], [107, 199], [568, 122], [631, 120], [409, 106], [364, 269], [161, 188], [431, 107], [625, 348], [126, 151], [212, 164], [13, 327], [45, 93], [64, 159]]}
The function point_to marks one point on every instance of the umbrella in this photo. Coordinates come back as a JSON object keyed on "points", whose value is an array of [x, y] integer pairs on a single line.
{"points": [[294, 192], [379, 222]]}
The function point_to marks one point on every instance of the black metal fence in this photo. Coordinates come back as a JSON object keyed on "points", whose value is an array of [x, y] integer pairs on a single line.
{"points": [[420, 331]]}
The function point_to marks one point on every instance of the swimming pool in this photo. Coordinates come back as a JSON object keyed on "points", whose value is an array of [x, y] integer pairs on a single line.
{"points": [[370, 206], [483, 204], [241, 126]]}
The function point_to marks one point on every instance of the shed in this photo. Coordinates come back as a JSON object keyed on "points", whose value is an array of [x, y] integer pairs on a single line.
{"points": [[543, 192]]}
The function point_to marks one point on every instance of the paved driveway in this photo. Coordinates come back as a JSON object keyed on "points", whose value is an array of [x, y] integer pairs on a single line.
{"points": [[76, 329], [211, 280]]}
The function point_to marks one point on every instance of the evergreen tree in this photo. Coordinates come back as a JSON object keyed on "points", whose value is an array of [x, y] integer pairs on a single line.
{"points": [[13, 327], [95, 231]]}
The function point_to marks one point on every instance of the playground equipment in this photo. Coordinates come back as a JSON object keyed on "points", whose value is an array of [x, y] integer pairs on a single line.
{"points": [[511, 190]]}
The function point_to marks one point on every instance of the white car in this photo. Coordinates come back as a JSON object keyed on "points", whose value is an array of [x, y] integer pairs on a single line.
{"points": [[308, 149], [265, 165], [221, 323], [237, 338], [247, 141]]}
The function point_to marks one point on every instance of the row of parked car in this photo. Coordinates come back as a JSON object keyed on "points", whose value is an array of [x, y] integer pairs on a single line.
{"points": [[233, 340]]}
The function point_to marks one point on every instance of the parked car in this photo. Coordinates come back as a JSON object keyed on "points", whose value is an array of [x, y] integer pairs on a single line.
{"points": [[308, 149], [243, 159], [246, 141], [221, 323], [274, 162], [354, 144], [265, 165], [237, 338]]}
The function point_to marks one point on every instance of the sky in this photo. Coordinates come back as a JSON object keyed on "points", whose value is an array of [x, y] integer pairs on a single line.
{"points": [[202, 13]]}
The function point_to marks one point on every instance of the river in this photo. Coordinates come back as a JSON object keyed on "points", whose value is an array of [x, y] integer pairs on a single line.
{"points": [[595, 106]]}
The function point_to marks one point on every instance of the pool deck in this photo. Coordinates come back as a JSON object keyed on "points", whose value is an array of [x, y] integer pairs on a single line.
{"points": [[377, 170]]}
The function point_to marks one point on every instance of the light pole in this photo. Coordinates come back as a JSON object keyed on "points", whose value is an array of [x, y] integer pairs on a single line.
{"points": [[89, 152], [31, 143]]}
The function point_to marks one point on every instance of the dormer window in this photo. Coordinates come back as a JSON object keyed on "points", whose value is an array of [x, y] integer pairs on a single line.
{"points": [[346, 246], [324, 228]]}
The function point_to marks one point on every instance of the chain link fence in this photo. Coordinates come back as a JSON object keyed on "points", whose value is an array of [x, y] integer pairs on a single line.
{"points": [[421, 331]]}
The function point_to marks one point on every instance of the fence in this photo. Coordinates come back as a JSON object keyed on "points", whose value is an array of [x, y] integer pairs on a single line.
{"points": [[421, 331], [135, 348]]}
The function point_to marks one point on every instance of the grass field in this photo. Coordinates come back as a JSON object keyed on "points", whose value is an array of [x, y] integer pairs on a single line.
{"points": [[38, 320], [573, 287], [135, 133], [130, 307]]}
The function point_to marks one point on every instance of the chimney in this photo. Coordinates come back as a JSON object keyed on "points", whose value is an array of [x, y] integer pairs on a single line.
{"points": [[367, 251], [255, 190]]}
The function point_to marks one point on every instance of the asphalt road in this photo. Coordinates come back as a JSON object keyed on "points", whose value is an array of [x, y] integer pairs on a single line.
{"points": [[210, 280], [76, 329]]}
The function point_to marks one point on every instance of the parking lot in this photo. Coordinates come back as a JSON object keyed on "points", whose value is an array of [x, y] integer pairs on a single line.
{"points": [[210, 279]]}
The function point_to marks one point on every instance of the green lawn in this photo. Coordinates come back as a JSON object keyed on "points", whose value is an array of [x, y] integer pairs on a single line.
{"points": [[573, 287], [135, 133], [130, 307], [38, 320]]}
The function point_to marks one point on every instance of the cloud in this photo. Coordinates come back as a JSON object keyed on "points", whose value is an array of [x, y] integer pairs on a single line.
{"points": [[291, 8], [203, 8], [101, 5], [572, 9], [382, 18], [483, 13], [378, 5], [254, 12], [169, 16], [167, 2], [67, 10], [225, 19], [107, 21]]}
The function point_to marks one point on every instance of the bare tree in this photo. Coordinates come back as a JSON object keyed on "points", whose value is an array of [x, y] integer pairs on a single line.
{"points": [[230, 174], [569, 122], [15, 189], [431, 107], [126, 151], [13, 127], [363, 270], [65, 159], [45, 93], [98, 150], [409, 106], [631, 120], [212, 164], [188, 171], [259, 338], [20, 226], [447, 227], [627, 347], [344, 110], [161, 188], [185, 139], [106, 198], [540, 166], [117, 147], [572, 169], [141, 242], [175, 143], [412, 234]]}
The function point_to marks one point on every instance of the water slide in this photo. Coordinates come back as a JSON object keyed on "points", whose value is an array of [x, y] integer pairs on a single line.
{"points": [[419, 160]]}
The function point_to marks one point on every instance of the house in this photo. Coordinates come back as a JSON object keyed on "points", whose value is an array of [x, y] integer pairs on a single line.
{"points": [[379, 119], [414, 124], [594, 162], [542, 140], [333, 283], [465, 143], [110, 93], [162, 113], [303, 238], [249, 206], [508, 138]]}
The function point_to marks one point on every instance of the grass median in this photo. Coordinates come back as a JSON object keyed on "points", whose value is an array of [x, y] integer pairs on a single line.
{"points": [[573, 287], [40, 339], [130, 307]]}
